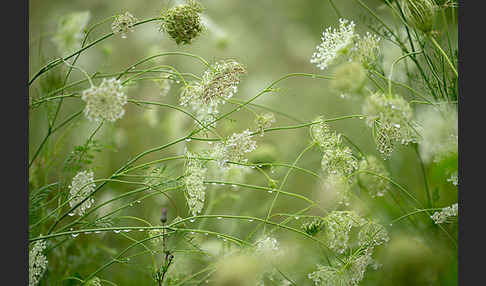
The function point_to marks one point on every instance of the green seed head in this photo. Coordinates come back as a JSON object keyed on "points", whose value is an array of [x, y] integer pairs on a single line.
{"points": [[183, 22]]}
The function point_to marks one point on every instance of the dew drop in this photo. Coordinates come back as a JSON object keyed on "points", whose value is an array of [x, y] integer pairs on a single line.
{"points": [[270, 191], [139, 202], [116, 231], [297, 217], [250, 220], [141, 229], [123, 36], [74, 234], [97, 231], [192, 232], [260, 165], [224, 239], [188, 139], [126, 230], [87, 232], [219, 217], [70, 214], [361, 117], [192, 220], [206, 233], [391, 224]]}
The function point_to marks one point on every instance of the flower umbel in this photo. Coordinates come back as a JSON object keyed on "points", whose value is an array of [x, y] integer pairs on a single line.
{"points": [[445, 214], [183, 22], [390, 116], [234, 148], [219, 83], [37, 262], [123, 24], [194, 181], [106, 101], [334, 44], [81, 187]]}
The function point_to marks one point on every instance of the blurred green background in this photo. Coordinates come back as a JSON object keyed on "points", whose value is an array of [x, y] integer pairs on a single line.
{"points": [[271, 39]]}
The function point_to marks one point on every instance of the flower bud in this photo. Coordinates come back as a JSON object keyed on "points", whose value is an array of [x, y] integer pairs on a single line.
{"points": [[183, 22], [421, 13]]}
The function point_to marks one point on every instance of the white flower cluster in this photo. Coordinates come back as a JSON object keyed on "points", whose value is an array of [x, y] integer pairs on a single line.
{"points": [[194, 176], [337, 158], [376, 185], [334, 43], [390, 116], [81, 187], [367, 50], [95, 281], [345, 42], [340, 185], [37, 262], [350, 269], [69, 34], [218, 84], [445, 214], [439, 133], [453, 179], [106, 101], [123, 24], [234, 148], [338, 224]]}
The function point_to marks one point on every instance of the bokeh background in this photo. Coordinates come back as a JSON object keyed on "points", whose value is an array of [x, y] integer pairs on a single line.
{"points": [[271, 39]]}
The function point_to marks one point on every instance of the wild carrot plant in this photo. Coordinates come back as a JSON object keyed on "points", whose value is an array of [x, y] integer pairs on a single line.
{"points": [[181, 169]]}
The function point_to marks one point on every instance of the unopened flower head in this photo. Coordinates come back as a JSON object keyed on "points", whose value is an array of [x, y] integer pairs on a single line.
{"points": [[445, 214], [219, 83], [264, 120], [349, 78], [335, 42], [390, 116], [367, 50], [313, 227], [372, 234], [37, 262], [421, 13], [123, 24], [70, 28], [439, 133], [376, 186], [106, 101], [234, 148], [338, 224], [339, 160], [183, 22], [81, 187], [323, 136], [195, 174]]}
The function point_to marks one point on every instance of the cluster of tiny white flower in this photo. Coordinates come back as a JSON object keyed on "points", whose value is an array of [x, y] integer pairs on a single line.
{"points": [[377, 186], [338, 224], [345, 42], [351, 269], [390, 116], [37, 262], [453, 179], [123, 24], [234, 148], [194, 181], [218, 84], [106, 101], [334, 43], [340, 185], [445, 214], [336, 159], [81, 187], [267, 245]]}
